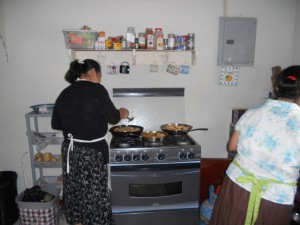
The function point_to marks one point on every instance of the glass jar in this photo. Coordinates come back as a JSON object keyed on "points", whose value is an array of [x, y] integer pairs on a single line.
{"points": [[130, 38], [149, 38], [142, 41], [108, 43]]}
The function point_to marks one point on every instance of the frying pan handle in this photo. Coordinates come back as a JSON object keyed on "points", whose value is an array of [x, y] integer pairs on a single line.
{"points": [[199, 129]]}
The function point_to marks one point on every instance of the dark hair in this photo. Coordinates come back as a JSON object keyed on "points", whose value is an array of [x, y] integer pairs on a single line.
{"points": [[289, 83], [78, 67]]}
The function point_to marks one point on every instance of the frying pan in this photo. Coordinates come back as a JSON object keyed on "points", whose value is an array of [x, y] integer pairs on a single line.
{"points": [[149, 136], [188, 129], [125, 134]]}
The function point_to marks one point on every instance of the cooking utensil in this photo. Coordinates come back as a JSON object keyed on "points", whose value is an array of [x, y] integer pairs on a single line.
{"points": [[124, 134], [188, 128], [154, 136], [130, 118]]}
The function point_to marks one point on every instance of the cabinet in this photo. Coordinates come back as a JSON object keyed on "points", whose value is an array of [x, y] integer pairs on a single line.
{"points": [[37, 137], [212, 172], [136, 57]]}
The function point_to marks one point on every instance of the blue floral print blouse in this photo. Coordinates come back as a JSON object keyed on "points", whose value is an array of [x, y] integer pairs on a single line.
{"points": [[269, 148]]}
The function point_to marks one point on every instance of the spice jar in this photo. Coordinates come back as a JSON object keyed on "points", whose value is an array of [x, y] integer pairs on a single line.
{"points": [[149, 38], [191, 41], [171, 41], [159, 39], [141, 41], [108, 43]]}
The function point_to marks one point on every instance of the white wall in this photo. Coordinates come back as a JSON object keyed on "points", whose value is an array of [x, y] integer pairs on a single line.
{"points": [[296, 59], [38, 59]]}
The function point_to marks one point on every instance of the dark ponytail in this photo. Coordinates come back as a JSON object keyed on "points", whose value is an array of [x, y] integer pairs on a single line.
{"points": [[78, 67], [289, 83]]}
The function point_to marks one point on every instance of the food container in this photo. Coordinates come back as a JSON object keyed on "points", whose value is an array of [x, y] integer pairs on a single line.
{"points": [[42, 108], [80, 39]]}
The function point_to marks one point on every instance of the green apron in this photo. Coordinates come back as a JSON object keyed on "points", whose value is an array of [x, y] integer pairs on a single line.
{"points": [[258, 186]]}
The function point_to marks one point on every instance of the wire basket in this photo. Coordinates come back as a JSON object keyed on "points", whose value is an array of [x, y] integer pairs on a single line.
{"points": [[50, 164]]}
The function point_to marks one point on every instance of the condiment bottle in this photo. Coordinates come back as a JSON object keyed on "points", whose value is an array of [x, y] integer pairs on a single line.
{"points": [[108, 43], [101, 40], [165, 44], [171, 41], [136, 43], [142, 41], [100, 43], [159, 39], [149, 38], [130, 38], [191, 41], [124, 43], [184, 42]]}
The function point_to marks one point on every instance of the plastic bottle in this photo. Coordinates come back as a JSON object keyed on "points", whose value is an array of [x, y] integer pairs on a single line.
{"points": [[130, 38], [101, 40], [149, 38], [159, 39]]}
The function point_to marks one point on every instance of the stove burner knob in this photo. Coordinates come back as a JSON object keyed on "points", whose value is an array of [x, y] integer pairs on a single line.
{"points": [[182, 155], [127, 158], [191, 155], [161, 156], [145, 157], [118, 158], [136, 158]]}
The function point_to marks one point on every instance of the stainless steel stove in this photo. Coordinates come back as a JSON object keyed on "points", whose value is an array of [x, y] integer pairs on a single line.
{"points": [[155, 183]]}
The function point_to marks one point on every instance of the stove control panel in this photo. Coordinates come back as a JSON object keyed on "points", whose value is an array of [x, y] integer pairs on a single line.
{"points": [[155, 156]]}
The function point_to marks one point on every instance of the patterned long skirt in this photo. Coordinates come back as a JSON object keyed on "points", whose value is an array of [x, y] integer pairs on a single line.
{"points": [[85, 188], [231, 207]]}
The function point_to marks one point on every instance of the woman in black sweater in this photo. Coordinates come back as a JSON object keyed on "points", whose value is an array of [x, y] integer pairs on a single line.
{"points": [[83, 111]]}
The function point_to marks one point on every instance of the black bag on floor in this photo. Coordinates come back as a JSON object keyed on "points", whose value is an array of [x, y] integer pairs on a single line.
{"points": [[34, 194]]}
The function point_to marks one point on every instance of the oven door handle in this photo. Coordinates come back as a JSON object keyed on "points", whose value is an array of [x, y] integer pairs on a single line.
{"points": [[154, 167]]}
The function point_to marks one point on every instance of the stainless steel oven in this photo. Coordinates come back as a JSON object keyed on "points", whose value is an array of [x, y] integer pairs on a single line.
{"points": [[156, 185]]}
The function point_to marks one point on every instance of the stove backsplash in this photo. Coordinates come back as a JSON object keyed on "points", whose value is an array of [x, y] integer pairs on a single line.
{"points": [[154, 107]]}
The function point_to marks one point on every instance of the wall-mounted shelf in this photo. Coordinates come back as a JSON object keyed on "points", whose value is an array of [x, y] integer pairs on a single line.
{"points": [[135, 56]]}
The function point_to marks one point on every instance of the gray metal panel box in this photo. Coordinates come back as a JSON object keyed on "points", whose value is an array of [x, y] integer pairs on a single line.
{"points": [[236, 41]]}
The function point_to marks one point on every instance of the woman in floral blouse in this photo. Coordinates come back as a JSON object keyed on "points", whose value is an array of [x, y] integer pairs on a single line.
{"points": [[260, 184]]}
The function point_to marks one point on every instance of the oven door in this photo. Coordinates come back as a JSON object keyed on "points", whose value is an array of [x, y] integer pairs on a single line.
{"points": [[152, 187]]}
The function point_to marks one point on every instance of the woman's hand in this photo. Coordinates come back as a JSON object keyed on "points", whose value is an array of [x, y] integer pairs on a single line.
{"points": [[124, 113]]}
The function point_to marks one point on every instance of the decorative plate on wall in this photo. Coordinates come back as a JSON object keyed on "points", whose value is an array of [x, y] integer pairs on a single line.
{"points": [[229, 75]]}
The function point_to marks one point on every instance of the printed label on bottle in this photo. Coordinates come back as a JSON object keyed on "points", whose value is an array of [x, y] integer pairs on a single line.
{"points": [[171, 42], [160, 43], [150, 43], [141, 41]]}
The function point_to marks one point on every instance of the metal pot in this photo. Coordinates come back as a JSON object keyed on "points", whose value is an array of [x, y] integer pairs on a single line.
{"points": [[183, 129], [154, 136], [123, 134]]}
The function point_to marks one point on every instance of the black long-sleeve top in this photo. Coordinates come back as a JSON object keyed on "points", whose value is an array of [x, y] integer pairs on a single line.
{"points": [[84, 109]]}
